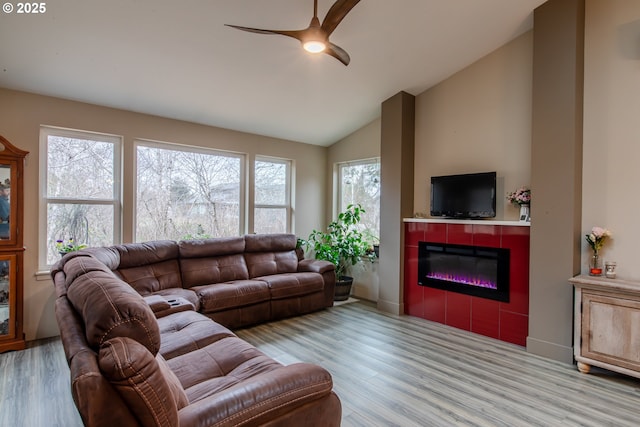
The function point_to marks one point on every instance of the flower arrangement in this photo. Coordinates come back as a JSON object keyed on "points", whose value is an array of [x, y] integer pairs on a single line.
{"points": [[69, 246], [597, 237], [522, 196]]}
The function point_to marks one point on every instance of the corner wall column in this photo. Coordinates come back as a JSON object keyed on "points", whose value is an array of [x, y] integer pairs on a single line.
{"points": [[556, 175], [396, 179]]}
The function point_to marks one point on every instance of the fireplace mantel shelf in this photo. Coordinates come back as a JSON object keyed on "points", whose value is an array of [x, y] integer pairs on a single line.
{"points": [[469, 221]]}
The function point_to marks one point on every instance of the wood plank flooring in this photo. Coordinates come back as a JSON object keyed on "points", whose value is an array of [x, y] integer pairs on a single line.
{"points": [[404, 371], [34, 387], [388, 371]]}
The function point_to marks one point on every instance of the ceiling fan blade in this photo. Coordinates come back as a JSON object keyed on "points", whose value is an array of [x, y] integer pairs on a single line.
{"points": [[339, 53], [336, 14], [296, 34]]}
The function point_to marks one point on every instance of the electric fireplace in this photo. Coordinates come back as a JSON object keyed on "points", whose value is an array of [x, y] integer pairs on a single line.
{"points": [[472, 270]]}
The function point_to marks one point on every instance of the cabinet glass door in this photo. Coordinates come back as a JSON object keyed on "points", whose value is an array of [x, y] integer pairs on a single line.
{"points": [[5, 201], [7, 295], [8, 207]]}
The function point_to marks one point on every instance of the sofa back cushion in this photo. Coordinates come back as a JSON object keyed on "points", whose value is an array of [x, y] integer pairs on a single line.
{"points": [[145, 383], [150, 266], [267, 254], [203, 262], [108, 306]]}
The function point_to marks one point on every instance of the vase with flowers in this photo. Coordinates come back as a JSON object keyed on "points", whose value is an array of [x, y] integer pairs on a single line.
{"points": [[521, 198], [596, 240]]}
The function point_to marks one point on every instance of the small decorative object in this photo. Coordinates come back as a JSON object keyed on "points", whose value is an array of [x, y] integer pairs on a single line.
{"points": [[522, 198], [596, 239], [610, 269], [70, 245]]}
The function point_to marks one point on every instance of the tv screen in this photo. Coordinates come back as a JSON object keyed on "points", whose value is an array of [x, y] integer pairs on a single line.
{"points": [[464, 196]]}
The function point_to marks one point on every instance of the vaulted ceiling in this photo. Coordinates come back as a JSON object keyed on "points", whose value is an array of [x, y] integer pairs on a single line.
{"points": [[178, 59]]}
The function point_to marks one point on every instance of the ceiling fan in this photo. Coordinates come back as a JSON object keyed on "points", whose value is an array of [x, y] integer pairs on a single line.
{"points": [[315, 38]]}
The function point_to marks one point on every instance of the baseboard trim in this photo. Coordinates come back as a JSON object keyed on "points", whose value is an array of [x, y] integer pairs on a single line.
{"points": [[390, 307], [550, 350]]}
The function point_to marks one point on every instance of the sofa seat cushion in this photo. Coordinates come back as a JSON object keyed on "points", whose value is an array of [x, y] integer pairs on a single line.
{"points": [[187, 331], [293, 284], [234, 294], [220, 365], [238, 385], [152, 391]]}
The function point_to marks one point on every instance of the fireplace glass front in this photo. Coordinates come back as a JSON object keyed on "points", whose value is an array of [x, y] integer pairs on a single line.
{"points": [[472, 270]]}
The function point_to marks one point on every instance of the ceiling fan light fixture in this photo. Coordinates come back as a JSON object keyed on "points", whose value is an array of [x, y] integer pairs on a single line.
{"points": [[314, 46], [315, 38]]}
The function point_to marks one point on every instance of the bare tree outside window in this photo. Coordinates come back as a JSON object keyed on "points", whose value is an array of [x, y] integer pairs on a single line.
{"points": [[82, 194], [185, 194], [360, 184], [272, 196]]}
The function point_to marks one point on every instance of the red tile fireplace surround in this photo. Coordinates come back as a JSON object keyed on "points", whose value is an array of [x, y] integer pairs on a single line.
{"points": [[506, 321]]}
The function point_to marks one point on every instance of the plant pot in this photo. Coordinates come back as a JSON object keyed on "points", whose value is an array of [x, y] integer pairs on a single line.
{"points": [[343, 288]]}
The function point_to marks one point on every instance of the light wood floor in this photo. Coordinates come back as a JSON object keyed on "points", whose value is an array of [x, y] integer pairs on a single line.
{"points": [[388, 370]]}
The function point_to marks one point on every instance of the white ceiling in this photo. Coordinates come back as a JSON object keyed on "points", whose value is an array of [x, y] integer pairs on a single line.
{"points": [[177, 59]]}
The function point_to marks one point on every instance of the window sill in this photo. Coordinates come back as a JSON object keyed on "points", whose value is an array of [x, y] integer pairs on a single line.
{"points": [[43, 275]]}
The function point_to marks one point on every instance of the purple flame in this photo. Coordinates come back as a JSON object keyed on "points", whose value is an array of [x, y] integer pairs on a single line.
{"points": [[471, 281]]}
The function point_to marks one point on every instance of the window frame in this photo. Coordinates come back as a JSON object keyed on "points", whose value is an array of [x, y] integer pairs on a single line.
{"points": [[339, 173], [193, 149], [45, 200], [288, 205]]}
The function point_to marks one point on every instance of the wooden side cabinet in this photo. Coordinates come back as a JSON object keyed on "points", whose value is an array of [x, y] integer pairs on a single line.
{"points": [[607, 324], [11, 249]]}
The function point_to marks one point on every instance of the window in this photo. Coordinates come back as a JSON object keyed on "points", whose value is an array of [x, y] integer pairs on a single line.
{"points": [[80, 188], [187, 192], [359, 182], [272, 206]]}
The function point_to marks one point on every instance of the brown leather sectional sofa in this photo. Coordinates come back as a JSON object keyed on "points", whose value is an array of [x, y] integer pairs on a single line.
{"points": [[136, 325]]}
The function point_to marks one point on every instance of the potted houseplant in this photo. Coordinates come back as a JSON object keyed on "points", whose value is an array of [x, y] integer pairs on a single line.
{"points": [[64, 247], [342, 244]]}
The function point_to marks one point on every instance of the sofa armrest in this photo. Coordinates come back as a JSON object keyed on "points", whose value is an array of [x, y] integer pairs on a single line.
{"points": [[328, 272], [165, 305], [315, 266], [260, 398], [157, 303]]}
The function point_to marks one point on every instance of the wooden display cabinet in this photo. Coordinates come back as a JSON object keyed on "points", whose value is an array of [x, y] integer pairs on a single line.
{"points": [[11, 248], [607, 320]]}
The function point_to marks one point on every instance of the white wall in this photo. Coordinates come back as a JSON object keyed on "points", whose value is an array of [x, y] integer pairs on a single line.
{"points": [[478, 120], [611, 158], [21, 115]]}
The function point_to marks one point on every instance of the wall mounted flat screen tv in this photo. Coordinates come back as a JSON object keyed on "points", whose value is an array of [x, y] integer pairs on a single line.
{"points": [[464, 196]]}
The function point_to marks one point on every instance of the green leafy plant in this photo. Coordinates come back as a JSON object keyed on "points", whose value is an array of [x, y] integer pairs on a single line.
{"points": [[343, 244], [69, 246]]}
